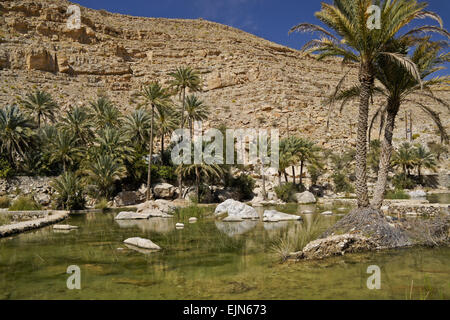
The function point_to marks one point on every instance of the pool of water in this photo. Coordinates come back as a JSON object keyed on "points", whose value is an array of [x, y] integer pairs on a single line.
{"points": [[439, 198], [206, 260]]}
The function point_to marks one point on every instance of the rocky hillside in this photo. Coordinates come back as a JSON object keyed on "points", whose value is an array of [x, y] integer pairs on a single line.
{"points": [[248, 81]]}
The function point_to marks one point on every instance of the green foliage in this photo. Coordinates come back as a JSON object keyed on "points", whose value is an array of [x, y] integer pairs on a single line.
{"points": [[397, 195], [6, 170], [286, 192], [102, 204], [402, 181], [341, 183], [183, 214], [163, 173], [69, 192], [373, 156], [5, 202], [244, 184], [315, 172], [25, 203]]}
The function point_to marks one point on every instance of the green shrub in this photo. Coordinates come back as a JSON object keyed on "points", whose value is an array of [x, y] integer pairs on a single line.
{"points": [[4, 202], [102, 205], [183, 214], [402, 181], [69, 192], [6, 170], [25, 203], [286, 192], [163, 173], [341, 183], [397, 195], [244, 184]]}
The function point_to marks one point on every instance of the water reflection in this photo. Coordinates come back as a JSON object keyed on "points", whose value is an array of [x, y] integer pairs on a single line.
{"points": [[159, 225], [236, 228]]}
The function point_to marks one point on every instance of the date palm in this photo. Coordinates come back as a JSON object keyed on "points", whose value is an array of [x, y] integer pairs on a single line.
{"points": [[113, 142], [399, 87], [423, 159], [105, 114], [154, 95], [41, 105], [77, 121], [16, 134], [184, 78], [167, 122], [103, 171], [354, 42], [404, 158], [69, 191], [195, 111], [137, 127], [64, 149], [308, 152]]}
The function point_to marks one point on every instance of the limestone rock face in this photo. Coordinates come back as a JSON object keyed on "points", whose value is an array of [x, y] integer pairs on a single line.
{"points": [[142, 243], [251, 82], [305, 198], [236, 210], [40, 59]]}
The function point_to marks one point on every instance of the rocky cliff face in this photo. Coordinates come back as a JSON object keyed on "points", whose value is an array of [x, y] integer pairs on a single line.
{"points": [[248, 81]]}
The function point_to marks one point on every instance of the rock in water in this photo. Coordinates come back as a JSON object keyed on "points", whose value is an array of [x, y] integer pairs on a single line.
{"points": [[179, 225], [327, 213], [142, 243], [193, 220], [64, 227], [236, 210], [275, 216], [305, 198], [132, 216]]}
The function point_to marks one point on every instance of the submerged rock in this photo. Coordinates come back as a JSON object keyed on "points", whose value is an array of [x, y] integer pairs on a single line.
{"points": [[132, 216], [276, 216], [64, 227], [236, 209], [305, 198], [142, 243]]}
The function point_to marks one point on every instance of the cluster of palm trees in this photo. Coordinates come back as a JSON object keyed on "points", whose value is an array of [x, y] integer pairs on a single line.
{"points": [[409, 157], [296, 151], [382, 54], [96, 145]]}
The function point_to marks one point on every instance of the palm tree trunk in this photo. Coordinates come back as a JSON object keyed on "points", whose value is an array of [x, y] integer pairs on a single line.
{"points": [[162, 149], [385, 158], [366, 80], [286, 177], [180, 178], [279, 178], [301, 172], [197, 183], [263, 182], [150, 154], [293, 175]]}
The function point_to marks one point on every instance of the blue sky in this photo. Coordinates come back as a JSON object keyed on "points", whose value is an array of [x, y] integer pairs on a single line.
{"points": [[269, 19]]}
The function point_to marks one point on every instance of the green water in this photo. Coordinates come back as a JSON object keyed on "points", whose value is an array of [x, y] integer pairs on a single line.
{"points": [[206, 260], [439, 198]]}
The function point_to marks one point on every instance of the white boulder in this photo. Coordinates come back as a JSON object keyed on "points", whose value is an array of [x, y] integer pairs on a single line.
{"points": [[305, 198], [276, 216], [327, 213], [64, 227], [236, 209], [164, 191], [132, 216], [193, 220], [142, 243]]}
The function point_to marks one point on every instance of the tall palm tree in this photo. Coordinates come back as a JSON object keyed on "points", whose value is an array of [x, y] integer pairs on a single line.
{"points": [[167, 122], [16, 134], [284, 160], [137, 128], [64, 149], [399, 87], [195, 111], [103, 171], [423, 159], [154, 95], [41, 105], [354, 42], [78, 122], [105, 114], [183, 78]]}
